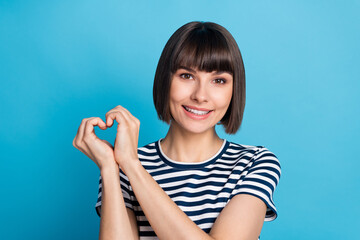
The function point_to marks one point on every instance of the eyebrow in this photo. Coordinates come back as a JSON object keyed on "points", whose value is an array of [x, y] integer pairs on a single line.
{"points": [[193, 71], [188, 69]]}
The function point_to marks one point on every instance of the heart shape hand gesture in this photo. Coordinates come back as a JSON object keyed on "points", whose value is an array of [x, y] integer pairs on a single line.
{"points": [[101, 151]]}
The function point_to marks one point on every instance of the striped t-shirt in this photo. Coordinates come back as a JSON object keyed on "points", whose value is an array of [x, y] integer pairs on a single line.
{"points": [[202, 190]]}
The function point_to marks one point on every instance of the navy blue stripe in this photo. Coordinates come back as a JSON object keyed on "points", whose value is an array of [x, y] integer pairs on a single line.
{"points": [[194, 194], [229, 158], [195, 186], [266, 183], [270, 169], [246, 186], [202, 202], [203, 211], [147, 234], [192, 177], [206, 220], [151, 154]]}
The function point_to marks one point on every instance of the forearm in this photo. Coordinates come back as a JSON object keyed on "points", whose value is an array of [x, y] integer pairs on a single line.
{"points": [[114, 223], [165, 217]]}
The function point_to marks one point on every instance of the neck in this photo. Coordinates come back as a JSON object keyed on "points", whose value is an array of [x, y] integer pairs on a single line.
{"points": [[183, 146]]}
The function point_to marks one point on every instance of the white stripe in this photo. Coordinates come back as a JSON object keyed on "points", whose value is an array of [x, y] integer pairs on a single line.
{"points": [[147, 150], [189, 172], [238, 162], [152, 164], [194, 181], [257, 172], [203, 206], [200, 198], [124, 176], [194, 190], [233, 150], [205, 225], [148, 157], [146, 228], [266, 179], [235, 156], [148, 238], [257, 184], [154, 171], [246, 147], [204, 216]]}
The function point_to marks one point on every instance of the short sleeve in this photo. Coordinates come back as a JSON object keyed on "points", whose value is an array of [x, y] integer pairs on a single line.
{"points": [[260, 179], [126, 190]]}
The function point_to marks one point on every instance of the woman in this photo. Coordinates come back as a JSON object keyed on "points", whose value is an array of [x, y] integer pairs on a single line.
{"points": [[190, 184]]}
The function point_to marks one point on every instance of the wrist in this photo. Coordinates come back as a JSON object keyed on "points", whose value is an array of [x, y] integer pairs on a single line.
{"points": [[105, 170], [130, 166]]}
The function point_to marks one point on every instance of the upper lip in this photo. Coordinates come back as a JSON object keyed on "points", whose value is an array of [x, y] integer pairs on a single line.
{"points": [[196, 108]]}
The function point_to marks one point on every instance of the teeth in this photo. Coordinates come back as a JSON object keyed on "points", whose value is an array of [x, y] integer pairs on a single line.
{"points": [[197, 112]]}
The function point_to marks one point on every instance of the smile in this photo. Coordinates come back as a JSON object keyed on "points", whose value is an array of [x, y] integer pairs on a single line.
{"points": [[197, 114]]}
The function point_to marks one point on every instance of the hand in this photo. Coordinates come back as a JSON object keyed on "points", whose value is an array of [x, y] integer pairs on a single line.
{"points": [[127, 136], [98, 150]]}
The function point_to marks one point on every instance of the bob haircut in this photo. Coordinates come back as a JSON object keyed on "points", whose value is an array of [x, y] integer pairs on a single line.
{"points": [[205, 46]]}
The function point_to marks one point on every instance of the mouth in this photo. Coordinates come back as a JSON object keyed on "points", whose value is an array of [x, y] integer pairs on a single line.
{"points": [[199, 112]]}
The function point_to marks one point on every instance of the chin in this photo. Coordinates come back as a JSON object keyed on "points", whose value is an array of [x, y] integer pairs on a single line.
{"points": [[197, 128]]}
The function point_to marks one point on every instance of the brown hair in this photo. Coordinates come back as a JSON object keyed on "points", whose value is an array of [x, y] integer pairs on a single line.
{"points": [[209, 47]]}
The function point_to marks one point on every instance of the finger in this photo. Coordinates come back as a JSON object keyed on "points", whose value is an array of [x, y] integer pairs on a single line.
{"points": [[79, 141], [83, 147], [129, 116], [126, 112], [95, 121], [80, 133], [109, 121], [89, 129], [117, 116]]}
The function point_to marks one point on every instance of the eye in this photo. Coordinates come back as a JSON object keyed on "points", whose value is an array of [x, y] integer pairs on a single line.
{"points": [[186, 76], [219, 81]]}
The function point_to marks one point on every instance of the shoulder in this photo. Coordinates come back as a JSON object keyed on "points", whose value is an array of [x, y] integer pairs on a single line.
{"points": [[242, 148], [257, 156]]}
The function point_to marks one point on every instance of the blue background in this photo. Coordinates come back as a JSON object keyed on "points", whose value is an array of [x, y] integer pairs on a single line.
{"points": [[62, 61]]}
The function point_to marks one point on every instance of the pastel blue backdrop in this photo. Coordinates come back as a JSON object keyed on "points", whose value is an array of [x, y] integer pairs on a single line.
{"points": [[62, 61]]}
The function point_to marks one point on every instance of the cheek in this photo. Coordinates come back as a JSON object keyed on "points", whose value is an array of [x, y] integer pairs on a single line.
{"points": [[222, 98], [178, 91]]}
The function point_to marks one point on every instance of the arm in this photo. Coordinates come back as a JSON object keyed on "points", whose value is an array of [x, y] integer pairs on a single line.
{"points": [[242, 218], [117, 222], [114, 222]]}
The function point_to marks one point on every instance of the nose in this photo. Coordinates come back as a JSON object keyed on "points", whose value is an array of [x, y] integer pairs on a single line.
{"points": [[199, 93]]}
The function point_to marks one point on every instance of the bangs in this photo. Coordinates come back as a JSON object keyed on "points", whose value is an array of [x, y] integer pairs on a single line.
{"points": [[204, 50]]}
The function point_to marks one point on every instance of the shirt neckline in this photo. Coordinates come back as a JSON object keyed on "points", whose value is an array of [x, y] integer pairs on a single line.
{"points": [[183, 165]]}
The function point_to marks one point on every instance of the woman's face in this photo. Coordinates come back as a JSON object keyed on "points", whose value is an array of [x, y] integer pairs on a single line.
{"points": [[198, 99]]}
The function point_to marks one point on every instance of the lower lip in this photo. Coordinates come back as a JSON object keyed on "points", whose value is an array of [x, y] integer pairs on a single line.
{"points": [[195, 116]]}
